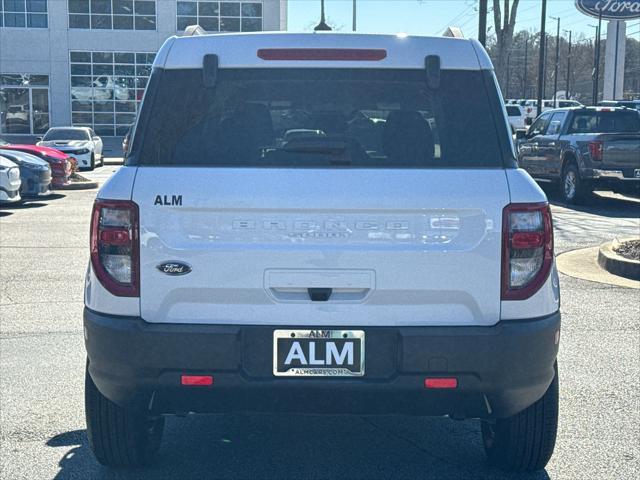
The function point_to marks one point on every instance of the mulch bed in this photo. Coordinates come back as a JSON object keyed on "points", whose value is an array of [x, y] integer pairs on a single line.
{"points": [[629, 249]]}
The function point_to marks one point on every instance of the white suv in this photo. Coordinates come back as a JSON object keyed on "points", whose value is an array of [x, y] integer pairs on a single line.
{"points": [[322, 223]]}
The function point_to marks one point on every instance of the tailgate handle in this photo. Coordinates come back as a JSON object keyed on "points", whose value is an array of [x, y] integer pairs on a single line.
{"points": [[319, 294]]}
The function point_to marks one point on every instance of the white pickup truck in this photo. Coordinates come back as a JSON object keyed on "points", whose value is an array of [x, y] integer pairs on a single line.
{"points": [[322, 223]]}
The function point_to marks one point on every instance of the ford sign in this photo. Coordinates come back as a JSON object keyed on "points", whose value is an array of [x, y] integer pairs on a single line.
{"points": [[611, 9]]}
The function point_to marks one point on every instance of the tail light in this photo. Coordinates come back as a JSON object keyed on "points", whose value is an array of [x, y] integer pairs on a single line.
{"points": [[115, 246], [596, 150], [58, 166], [527, 249]]}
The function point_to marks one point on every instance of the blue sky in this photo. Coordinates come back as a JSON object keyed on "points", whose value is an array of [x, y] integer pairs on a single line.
{"points": [[431, 17]]}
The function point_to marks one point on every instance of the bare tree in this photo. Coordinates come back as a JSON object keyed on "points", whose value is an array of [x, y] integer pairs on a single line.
{"points": [[504, 34]]}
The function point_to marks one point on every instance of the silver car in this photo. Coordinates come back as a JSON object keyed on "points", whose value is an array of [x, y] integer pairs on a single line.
{"points": [[9, 181]]}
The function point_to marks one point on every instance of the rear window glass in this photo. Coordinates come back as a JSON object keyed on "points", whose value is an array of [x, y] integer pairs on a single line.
{"points": [[513, 111], [605, 122], [318, 118]]}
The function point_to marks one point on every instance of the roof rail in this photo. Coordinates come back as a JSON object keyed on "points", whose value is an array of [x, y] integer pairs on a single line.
{"points": [[194, 31]]}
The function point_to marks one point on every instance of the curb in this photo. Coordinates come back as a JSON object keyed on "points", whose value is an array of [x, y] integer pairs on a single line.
{"points": [[78, 186], [617, 264]]}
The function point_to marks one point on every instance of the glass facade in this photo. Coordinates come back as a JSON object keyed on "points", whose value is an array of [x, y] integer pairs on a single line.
{"points": [[220, 16], [23, 13], [112, 14], [24, 103], [106, 88]]}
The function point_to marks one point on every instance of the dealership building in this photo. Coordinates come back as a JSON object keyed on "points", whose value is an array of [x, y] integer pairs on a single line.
{"points": [[87, 62]]}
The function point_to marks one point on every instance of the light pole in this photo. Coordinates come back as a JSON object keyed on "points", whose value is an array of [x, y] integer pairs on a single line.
{"points": [[568, 66], [526, 66], [322, 26], [353, 26], [596, 62], [597, 71], [555, 69], [543, 42], [506, 92]]}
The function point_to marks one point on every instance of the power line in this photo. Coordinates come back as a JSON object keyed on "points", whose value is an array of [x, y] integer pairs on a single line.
{"points": [[455, 19]]}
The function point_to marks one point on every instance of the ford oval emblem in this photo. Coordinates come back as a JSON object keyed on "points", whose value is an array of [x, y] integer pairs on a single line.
{"points": [[610, 9], [174, 268]]}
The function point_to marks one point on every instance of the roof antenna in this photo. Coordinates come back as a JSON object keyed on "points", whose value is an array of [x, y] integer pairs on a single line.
{"points": [[322, 26]]}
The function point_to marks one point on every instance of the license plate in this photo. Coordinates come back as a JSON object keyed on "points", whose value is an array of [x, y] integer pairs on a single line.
{"points": [[636, 173], [318, 353]]}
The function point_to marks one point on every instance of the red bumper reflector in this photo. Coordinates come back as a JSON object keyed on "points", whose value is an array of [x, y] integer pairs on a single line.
{"points": [[345, 54], [197, 380], [440, 383]]}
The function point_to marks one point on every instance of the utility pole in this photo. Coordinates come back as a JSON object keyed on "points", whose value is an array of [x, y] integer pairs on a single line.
{"points": [[353, 27], [526, 66], [543, 42], [568, 67], [482, 23], [322, 26], [555, 68]]}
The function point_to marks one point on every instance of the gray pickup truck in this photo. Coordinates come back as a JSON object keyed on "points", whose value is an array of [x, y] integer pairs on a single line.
{"points": [[584, 149]]}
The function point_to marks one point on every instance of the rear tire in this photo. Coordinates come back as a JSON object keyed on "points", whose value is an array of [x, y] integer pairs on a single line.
{"points": [[572, 188], [117, 436], [93, 162], [525, 441]]}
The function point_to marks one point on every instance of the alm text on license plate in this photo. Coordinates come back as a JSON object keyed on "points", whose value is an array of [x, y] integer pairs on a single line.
{"points": [[318, 353]]}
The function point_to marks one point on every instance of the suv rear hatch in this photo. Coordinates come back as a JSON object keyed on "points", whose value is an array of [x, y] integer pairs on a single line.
{"points": [[321, 197]]}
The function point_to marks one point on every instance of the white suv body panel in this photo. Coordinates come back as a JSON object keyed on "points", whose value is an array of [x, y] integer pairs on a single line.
{"points": [[256, 239], [240, 51], [96, 297], [417, 233], [99, 299]]}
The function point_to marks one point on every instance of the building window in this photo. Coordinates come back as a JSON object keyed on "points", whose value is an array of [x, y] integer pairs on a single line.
{"points": [[106, 89], [24, 103], [220, 16], [113, 14], [23, 13]]}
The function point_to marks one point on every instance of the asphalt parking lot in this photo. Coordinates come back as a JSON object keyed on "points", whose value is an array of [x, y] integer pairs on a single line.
{"points": [[43, 256]]}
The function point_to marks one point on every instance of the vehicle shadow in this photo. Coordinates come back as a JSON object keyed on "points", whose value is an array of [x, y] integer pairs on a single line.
{"points": [[25, 204], [600, 203], [5, 214], [298, 447], [55, 196]]}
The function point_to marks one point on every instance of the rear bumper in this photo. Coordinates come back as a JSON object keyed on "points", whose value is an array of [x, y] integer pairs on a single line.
{"points": [[618, 180], [501, 370], [35, 184]]}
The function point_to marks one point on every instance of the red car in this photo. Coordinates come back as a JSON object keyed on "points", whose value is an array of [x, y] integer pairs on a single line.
{"points": [[62, 165]]}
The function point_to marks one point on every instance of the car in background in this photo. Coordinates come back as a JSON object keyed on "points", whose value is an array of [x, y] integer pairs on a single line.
{"points": [[531, 107], [584, 149], [62, 165], [516, 116], [9, 181], [635, 104], [80, 142], [35, 173]]}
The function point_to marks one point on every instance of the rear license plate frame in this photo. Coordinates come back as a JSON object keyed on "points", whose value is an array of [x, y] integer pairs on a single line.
{"points": [[356, 337]]}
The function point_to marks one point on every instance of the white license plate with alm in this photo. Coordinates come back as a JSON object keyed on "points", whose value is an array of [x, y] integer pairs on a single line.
{"points": [[318, 353], [636, 173]]}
